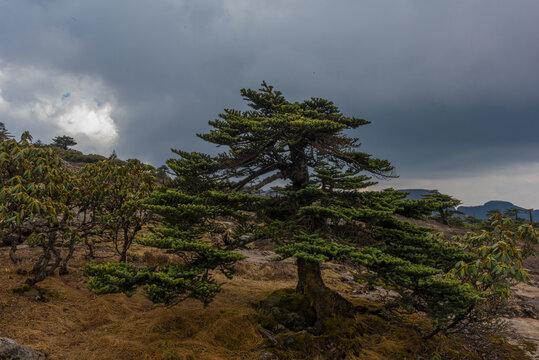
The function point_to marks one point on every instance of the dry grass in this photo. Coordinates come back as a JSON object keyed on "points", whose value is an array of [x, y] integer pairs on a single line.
{"points": [[76, 324]]}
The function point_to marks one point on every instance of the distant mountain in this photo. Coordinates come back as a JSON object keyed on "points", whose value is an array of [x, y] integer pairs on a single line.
{"points": [[479, 211]]}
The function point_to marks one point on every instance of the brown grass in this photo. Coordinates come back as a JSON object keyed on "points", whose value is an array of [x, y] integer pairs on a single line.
{"points": [[76, 324]]}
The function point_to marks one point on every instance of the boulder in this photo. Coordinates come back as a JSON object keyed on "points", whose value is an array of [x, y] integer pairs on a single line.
{"points": [[11, 350], [268, 356]]}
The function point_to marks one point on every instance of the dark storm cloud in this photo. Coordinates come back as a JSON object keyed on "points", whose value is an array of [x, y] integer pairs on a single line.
{"points": [[447, 84]]}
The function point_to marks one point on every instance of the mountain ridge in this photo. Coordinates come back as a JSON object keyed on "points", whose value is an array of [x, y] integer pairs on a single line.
{"points": [[477, 211]]}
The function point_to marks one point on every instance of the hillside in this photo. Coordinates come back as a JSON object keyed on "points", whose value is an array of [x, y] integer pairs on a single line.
{"points": [[64, 324], [480, 211], [105, 263]]}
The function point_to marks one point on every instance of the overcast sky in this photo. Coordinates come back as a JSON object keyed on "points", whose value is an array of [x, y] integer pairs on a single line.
{"points": [[451, 87]]}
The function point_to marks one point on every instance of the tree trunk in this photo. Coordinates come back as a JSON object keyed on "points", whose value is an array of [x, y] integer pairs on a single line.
{"points": [[123, 256], [443, 217], [16, 260], [326, 302], [299, 173], [91, 245], [63, 268], [126, 245]]}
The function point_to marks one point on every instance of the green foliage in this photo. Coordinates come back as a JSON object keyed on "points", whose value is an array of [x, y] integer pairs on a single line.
{"points": [[4, 133], [314, 248], [499, 256], [37, 198], [323, 213], [444, 205], [483, 280], [63, 142], [117, 193], [278, 139], [416, 209], [169, 285], [195, 172], [77, 156], [188, 217], [161, 174]]}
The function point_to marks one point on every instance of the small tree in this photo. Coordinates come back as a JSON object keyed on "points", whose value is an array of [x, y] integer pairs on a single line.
{"points": [[123, 189], [92, 189], [512, 212], [188, 215], [63, 142], [492, 213], [530, 214], [4, 133], [497, 263], [445, 205], [162, 174], [39, 143], [36, 195]]}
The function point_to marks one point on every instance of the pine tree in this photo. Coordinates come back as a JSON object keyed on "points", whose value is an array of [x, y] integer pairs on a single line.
{"points": [[512, 212], [63, 142], [530, 214], [278, 139], [4, 133], [322, 213], [444, 204]]}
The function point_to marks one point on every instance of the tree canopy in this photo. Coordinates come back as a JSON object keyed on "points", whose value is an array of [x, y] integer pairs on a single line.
{"points": [[285, 139], [322, 211], [63, 142], [4, 133]]}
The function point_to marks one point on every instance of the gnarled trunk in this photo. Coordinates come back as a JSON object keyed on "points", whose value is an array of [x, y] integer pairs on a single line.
{"points": [[299, 173], [326, 302]]}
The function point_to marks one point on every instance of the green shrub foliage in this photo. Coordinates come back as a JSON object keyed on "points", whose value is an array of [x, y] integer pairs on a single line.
{"points": [[38, 198], [123, 189], [76, 156], [194, 214], [48, 205]]}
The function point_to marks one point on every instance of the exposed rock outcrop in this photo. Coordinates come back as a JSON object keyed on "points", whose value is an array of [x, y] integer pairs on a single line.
{"points": [[11, 350]]}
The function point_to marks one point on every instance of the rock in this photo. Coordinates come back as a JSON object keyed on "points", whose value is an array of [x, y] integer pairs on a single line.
{"points": [[33, 292], [11, 350], [268, 356], [279, 328], [245, 238]]}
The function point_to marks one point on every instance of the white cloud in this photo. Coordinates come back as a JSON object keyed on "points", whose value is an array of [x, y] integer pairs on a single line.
{"points": [[91, 120], [59, 103]]}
